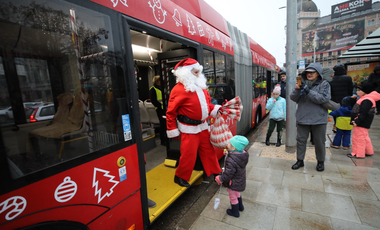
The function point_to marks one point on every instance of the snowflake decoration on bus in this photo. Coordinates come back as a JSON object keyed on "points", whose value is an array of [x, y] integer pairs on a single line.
{"points": [[217, 35], [210, 36], [115, 2], [158, 12], [15, 206], [224, 44]]}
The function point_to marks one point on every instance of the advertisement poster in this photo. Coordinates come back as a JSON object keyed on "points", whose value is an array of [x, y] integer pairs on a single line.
{"points": [[360, 72], [350, 7], [333, 38]]}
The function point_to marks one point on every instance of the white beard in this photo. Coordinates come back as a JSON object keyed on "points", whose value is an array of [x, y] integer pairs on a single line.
{"points": [[189, 80]]}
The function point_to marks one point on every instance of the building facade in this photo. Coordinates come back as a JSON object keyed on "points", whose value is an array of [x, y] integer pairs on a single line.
{"points": [[324, 39]]}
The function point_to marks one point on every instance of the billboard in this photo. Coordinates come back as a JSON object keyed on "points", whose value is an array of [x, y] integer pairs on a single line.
{"points": [[332, 38], [360, 72], [350, 7]]}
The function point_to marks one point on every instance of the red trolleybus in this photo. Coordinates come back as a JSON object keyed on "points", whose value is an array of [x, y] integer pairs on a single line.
{"points": [[75, 118]]}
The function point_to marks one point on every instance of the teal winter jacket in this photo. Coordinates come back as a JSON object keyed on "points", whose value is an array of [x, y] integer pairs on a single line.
{"points": [[277, 108]]}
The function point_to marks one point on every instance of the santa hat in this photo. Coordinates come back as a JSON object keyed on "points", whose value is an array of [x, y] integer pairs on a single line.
{"points": [[187, 63], [277, 89]]}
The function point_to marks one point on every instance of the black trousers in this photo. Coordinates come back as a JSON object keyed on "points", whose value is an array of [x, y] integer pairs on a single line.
{"points": [[272, 125]]}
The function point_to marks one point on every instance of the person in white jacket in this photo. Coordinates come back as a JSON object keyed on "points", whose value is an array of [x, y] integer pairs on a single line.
{"points": [[277, 115]]}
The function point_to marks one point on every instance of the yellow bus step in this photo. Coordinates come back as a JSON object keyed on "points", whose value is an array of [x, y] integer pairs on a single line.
{"points": [[163, 190]]}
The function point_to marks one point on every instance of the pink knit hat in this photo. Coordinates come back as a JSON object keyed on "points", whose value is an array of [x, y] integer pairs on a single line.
{"points": [[277, 89]]}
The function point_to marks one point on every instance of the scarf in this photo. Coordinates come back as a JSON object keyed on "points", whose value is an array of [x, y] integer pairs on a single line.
{"points": [[309, 83]]}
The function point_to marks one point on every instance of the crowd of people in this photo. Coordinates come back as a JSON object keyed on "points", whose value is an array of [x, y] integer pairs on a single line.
{"points": [[190, 104]]}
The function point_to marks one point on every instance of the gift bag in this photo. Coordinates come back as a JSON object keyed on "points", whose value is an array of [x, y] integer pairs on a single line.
{"points": [[220, 133], [233, 108]]}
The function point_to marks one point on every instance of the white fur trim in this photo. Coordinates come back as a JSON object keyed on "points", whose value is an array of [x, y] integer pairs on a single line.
{"points": [[196, 65], [192, 129], [203, 102], [214, 112], [172, 133]]}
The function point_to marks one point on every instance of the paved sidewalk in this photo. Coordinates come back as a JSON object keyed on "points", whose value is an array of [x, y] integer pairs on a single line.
{"points": [[344, 196]]}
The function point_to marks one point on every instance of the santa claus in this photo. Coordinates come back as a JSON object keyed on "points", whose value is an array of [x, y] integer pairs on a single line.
{"points": [[189, 106]]}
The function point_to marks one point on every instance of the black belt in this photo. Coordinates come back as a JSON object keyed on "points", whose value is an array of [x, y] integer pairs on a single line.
{"points": [[189, 121]]}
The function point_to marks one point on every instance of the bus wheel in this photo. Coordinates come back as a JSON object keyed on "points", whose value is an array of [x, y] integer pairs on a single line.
{"points": [[258, 116]]}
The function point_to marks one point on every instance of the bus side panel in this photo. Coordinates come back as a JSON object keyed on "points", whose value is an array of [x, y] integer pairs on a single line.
{"points": [[122, 216], [263, 103], [260, 101], [100, 182], [70, 213]]}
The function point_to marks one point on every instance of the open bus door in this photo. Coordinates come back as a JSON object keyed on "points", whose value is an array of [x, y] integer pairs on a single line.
{"points": [[166, 51], [160, 180]]}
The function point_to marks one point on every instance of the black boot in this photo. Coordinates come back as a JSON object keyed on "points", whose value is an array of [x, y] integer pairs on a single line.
{"points": [[241, 207], [278, 144], [298, 164], [320, 166], [267, 141], [234, 211], [181, 182]]}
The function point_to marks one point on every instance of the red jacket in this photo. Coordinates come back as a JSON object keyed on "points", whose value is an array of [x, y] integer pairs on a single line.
{"points": [[195, 105]]}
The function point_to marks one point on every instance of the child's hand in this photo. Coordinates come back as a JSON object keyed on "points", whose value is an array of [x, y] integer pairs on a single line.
{"points": [[353, 123], [218, 180]]}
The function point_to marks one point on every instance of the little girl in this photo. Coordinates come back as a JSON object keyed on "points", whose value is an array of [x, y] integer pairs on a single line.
{"points": [[277, 116], [361, 118], [234, 176]]}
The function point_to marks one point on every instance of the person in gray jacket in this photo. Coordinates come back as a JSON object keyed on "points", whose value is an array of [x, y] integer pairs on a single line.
{"points": [[311, 116]]}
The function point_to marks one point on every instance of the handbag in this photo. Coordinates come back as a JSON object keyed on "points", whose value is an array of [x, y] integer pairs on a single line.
{"points": [[330, 105]]}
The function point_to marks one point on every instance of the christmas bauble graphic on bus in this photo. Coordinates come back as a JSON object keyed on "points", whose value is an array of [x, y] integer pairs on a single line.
{"points": [[66, 190]]}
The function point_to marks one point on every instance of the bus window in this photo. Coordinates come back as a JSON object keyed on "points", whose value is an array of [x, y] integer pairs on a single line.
{"points": [[220, 68], [59, 101], [255, 82], [208, 66], [222, 86]]}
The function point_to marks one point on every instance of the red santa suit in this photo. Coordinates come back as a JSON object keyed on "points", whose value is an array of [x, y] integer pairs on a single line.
{"points": [[194, 138]]}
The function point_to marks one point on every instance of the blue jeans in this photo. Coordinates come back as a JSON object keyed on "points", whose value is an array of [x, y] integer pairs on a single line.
{"points": [[342, 134]]}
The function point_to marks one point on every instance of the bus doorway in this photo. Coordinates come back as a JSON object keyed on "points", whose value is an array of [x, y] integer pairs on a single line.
{"points": [[154, 56]]}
